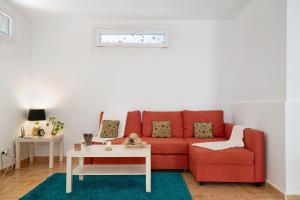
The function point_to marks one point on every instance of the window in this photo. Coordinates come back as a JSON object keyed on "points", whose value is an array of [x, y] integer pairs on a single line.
{"points": [[5, 24], [121, 38]]}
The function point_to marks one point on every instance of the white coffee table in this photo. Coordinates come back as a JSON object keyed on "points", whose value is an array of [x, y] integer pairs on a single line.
{"points": [[95, 169]]}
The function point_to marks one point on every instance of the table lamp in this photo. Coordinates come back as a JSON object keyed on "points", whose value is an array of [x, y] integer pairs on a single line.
{"points": [[36, 115]]}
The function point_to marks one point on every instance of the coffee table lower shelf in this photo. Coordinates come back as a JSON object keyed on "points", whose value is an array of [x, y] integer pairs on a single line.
{"points": [[110, 170]]}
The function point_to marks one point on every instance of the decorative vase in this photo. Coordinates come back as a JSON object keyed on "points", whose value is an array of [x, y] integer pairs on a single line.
{"points": [[54, 132], [88, 137]]}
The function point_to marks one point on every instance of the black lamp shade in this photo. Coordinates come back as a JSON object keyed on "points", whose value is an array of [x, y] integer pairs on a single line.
{"points": [[36, 115]]}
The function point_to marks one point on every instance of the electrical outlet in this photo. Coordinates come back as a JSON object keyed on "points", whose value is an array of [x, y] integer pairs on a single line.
{"points": [[5, 152]]}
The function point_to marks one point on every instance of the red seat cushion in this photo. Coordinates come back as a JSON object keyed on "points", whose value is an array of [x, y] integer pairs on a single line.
{"points": [[233, 156], [163, 146], [174, 117], [199, 140], [133, 123], [171, 146], [216, 117]]}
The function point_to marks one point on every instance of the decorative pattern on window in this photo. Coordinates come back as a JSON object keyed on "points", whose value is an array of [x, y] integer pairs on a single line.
{"points": [[125, 38], [133, 38]]}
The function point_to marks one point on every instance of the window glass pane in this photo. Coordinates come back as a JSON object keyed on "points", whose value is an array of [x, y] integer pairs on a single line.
{"points": [[4, 24], [132, 38]]}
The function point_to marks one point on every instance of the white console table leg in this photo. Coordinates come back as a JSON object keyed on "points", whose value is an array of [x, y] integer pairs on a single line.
{"points": [[81, 163], [69, 175], [61, 150], [31, 151], [17, 155], [51, 154], [148, 174]]}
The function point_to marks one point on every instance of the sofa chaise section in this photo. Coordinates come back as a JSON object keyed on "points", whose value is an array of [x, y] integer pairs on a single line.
{"points": [[230, 165]]}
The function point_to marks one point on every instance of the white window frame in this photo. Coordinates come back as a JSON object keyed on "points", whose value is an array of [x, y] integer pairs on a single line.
{"points": [[99, 44], [9, 24]]}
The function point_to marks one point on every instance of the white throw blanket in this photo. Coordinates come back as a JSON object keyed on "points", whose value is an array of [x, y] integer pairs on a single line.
{"points": [[235, 140]]}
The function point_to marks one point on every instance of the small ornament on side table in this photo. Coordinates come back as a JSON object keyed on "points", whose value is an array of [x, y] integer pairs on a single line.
{"points": [[41, 132], [88, 137], [22, 131]]}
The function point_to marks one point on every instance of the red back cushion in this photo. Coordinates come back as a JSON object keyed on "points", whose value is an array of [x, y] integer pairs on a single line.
{"points": [[216, 117], [174, 117], [133, 123]]}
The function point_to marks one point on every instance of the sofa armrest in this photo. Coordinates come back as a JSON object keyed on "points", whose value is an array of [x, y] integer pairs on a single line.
{"points": [[228, 130], [255, 142]]}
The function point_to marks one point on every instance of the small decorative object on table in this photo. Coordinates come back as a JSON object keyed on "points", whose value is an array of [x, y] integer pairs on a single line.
{"points": [[56, 125], [35, 129], [88, 137], [77, 147], [134, 141], [41, 132], [108, 146], [22, 131]]}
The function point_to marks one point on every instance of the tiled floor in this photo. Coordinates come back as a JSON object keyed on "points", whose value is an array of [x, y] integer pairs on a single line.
{"points": [[30, 175]]}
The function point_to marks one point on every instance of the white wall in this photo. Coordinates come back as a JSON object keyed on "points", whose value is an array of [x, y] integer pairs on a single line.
{"points": [[15, 61], [293, 98], [75, 82], [293, 47], [259, 78], [269, 117], [292, 148]]}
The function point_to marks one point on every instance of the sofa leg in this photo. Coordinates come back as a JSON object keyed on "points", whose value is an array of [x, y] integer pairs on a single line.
{"points": [[257, 184], [185, 170], [201, 183]]}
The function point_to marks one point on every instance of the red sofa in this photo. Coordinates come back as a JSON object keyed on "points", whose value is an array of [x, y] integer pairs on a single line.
{"points": [[230, 165]]}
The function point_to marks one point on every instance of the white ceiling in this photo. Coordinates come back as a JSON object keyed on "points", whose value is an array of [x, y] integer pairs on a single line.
{"points": [[130, 9]]}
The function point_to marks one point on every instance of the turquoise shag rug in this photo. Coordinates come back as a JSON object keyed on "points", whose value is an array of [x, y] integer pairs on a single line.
{"points": [[165, 186]]}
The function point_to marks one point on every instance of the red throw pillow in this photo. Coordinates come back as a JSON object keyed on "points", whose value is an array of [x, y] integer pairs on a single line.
{"points": [[174, 117], [133, 123], [216, 117]]}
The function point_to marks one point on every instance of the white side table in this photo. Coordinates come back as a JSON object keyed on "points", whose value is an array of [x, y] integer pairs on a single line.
{"points": [[44, 139]]}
